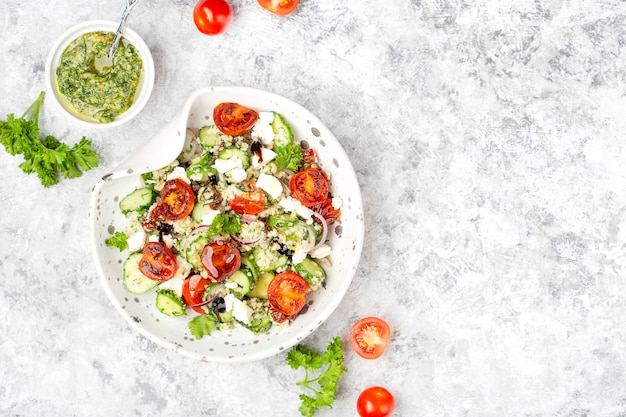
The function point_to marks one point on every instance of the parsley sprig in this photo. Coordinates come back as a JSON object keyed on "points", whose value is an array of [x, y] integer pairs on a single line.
{"points": [[323, 384], [48, 157]]}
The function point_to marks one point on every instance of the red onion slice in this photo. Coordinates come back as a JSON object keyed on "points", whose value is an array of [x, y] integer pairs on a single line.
{"points": [[322, 220]]}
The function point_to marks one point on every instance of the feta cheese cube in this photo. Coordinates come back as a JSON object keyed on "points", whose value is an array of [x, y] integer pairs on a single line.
{"points": [[238, 174], [136, 241], [225, 165], [263, 130], [321, 251], [240, 310], [267, 155], [178, 172], [270, 184]]}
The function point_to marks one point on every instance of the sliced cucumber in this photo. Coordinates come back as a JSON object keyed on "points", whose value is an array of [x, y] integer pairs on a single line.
{"points": [[169, 304], [282, 220], [268, 259], [243, 280], [199, 211], [311, 271], [193, 250], [248, 262], [260, 321], [134, 281], [231, 151], [138, 200], [260, 287], [283, 134], [209, 136]]}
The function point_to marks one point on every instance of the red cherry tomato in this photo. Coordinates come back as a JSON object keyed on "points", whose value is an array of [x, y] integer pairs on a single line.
{"points": [[287, 293], [369, 337], [157, 262], [375, 402], [234, 119], [279, 7], [221, 259], [212, 16], [309, 186], [193, 290], [250, 202], [177, 199]]}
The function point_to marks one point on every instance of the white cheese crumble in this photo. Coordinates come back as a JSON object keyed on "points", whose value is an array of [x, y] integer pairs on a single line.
{"points": [[136, 241], [263, 130], [207, 219], [174, 284], [293, 205], [238, 174], [153, 238], [240, 310], [270, 184], [178, 172], [267, 155], [321, 251], [337, 203], [225, 165]]}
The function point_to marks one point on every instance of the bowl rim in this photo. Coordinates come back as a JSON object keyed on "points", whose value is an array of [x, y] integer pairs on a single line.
{"points": [[329, 307], [146, 84]]}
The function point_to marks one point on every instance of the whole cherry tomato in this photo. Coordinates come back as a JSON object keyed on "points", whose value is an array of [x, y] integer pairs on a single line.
{"points": [[212, 16], [375, 402]]}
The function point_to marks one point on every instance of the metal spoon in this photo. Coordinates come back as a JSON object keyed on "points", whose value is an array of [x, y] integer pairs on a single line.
{"points": [[101, 62]]}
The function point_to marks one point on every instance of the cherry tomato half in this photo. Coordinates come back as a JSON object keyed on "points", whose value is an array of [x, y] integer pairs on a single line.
{"points": [[250, 202], [234, 119], [309, 186], [375, 402], [212, 16], [221, 259], [287, 293], [279, 7], [157, 262], [177, 199], [193, 290], [369, 337]]}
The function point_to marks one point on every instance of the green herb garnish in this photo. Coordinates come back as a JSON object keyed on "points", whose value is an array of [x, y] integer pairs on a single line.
{"points": [[48, 157], [327, 381]]}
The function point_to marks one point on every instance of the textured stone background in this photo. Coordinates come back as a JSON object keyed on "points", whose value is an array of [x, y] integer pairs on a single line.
{"points": [[488, 139]]}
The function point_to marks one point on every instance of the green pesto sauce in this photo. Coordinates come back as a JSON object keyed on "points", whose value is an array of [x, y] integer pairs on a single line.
{"points": [[98, 95]]}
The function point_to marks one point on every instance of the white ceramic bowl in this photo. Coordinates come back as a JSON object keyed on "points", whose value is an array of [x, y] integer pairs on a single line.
{"points": [[146, 82], [238, 345]]}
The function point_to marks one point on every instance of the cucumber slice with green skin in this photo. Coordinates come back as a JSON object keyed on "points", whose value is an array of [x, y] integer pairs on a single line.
{"points": [[169, 304], [260, 321], [282, 221], [243, 280], [138, 200], [134, 281], [199, 211], [260, 287], [268, 259], [311, 271], [283, 134], [248, 262], [209, 136], [193, 250], [231, 151]]}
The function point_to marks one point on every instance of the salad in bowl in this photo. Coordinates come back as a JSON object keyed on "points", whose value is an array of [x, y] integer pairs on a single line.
{"points": [[242, 236]]}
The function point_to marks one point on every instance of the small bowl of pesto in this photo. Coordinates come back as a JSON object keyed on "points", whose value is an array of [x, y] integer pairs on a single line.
{"points": [[93, 95]]}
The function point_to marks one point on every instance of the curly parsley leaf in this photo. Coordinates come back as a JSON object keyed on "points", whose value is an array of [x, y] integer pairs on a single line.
{"points": [[201, 326], [47, 158], [118, 240], [288, 156], [325, 384]]}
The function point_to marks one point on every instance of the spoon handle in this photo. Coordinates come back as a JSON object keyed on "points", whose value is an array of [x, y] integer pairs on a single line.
{"points": [[122, 27]]}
